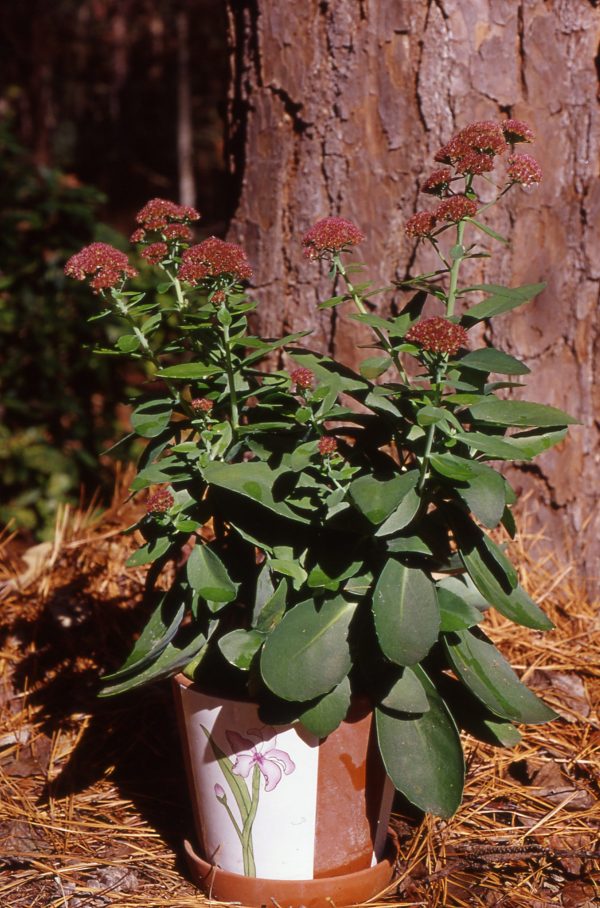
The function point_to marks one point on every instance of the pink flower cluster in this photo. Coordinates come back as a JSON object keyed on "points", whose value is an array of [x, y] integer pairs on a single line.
{"points": [[302, 378], [158, 213], [327, 446], [524, 169], [169, 220], [453, 209], [214, 258], [159, 502], [202, 405], [437, 335], [107, 265], [155, 252], [331, 235]]}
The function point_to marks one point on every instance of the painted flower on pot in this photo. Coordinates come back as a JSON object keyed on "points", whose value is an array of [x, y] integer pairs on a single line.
{"points": [[272, 763], [252, 757]]}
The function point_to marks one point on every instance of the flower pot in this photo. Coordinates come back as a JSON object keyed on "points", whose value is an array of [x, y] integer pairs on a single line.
{"points": [[278, 804]]}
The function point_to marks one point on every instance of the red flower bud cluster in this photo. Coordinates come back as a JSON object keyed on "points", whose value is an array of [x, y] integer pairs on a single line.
{"points": [[178, 232], [202, 405], [155, 253], [327, 445], [214, 258], [108, 266], [420, 224], [157, 213], [437, 335], [475, 162], [455, 208], [159, 502], [524, 169], [437, 183], [483, 137], [302, 378], [517, 131], [330, 235]]}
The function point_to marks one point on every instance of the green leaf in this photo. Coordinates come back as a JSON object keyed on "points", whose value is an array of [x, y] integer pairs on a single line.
{"points": [[494, 447], [407, 694], [325, 716], [488, 230], [486, 673], [332, 301], [456, 614], [488, 359], [171, 660], [484, 489], [151, 417], [530, 444], [502, 300], [428, 416], [208, 575], [160, 629], [150, 552], [374, 366], [269, 613], [465, 589], [519, 413], [406, 613], [406, 510], [127, 343], [239, 647], [289, 568], [422, 755], [189, 371], [255, 480], [453, 467], [376, 499], [412, 544], [308, 653]]}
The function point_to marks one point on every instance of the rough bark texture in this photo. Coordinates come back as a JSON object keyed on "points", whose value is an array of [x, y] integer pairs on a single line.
{"points": [[338, 107]]}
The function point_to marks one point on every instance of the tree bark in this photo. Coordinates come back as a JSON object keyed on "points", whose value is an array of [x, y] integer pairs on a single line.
{"points": [[338, 108]]}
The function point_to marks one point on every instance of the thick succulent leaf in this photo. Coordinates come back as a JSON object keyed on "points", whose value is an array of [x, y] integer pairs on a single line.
{"points": [[160, 629], [456, 614], [485, 672], [169, 661], [151, 417], [519, 413], [325, 716], [502, 299], [239, 647], [494, 446], [406, 613], [423, 755], [480, 557], [267, 615], [409, 544], [473, 717], [376, 499], [407, 694], [308, 653], [465, 589], [190, 371], [254, 480], [488, 359], [208, 575], [405, 511], [150, 552]]}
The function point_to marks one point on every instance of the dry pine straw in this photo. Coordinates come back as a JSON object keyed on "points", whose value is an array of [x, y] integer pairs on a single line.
{"points": [[93, 804]]}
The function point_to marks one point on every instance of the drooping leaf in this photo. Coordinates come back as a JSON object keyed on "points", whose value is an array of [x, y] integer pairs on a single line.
{"points": [[308, 653], [495, 447], [376, 499], [269, 612], [456, 613], [325, 716], [407, 694], [239, 647], [519, 413], [150, 552], [488, 359], [404, 513], [423, 755], [406, 613], [160, 629], [486, 673], [171, 659], [208, 575], [374, 366]]}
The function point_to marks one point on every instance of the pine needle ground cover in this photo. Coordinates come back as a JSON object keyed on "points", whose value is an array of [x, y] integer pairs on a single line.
{"points": [[93, 803]]}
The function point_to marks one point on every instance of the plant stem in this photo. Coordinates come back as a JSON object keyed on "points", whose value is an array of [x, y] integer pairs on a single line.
{"points": [[451, 298], [358, 302], [233, 401]]}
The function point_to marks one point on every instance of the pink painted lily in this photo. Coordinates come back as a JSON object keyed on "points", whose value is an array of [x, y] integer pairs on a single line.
{"points": [[260, 752]]}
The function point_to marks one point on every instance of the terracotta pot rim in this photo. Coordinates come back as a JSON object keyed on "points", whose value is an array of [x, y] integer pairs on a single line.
{"points": [[345, 889]]}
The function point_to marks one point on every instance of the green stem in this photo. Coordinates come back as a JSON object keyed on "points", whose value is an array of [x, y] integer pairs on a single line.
{"points": [[233, 401], [440, 370], [147, 351], [451, 298], [358, 302]]}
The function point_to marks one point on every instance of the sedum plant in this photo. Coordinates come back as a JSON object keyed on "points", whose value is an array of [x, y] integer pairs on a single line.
{"points": [[328, 529]]}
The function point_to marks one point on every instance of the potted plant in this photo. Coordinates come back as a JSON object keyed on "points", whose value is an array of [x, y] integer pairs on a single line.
{"points": [[330, 535]]}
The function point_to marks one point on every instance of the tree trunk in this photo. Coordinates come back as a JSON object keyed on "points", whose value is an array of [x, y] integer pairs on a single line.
{"points": [[338, 108]]}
